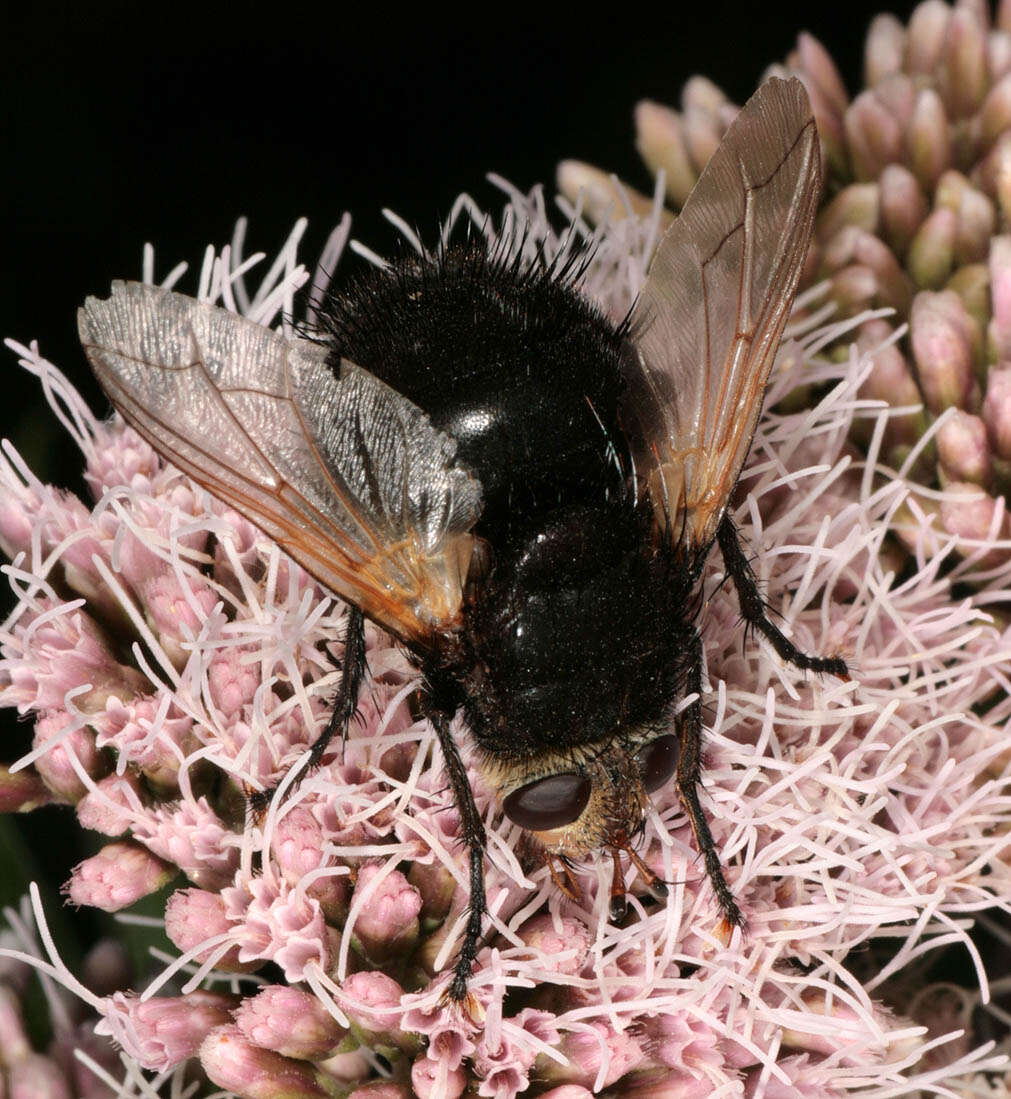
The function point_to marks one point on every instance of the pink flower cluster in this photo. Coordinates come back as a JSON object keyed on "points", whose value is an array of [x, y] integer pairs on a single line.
{"points": [[174, 661]]}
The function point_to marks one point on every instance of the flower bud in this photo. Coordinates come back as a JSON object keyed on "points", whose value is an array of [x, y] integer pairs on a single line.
{"points": [[927, 32], [928, 142], [874, 136], [382, 1089], [164, 1031], [603, 199], [931, 255], [903, 207], [941, 335], [995, 114], [291, 1022], [963, 450], [661, 144], [37, 1077], [21, 791], [965, 63], [884, 48], [234, 1063], [969, 512], [386, 924], [119, 875], [997, 410], [437, 1080], [857, 204]]}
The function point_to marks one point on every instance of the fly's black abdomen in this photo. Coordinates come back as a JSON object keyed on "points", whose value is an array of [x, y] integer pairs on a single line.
{"points": [[523, 373], [574, 636]]}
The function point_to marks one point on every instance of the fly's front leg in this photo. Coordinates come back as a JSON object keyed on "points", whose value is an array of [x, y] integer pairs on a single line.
{"points": [[753, 606], [689, 775], [345, 704], [474, 838]]}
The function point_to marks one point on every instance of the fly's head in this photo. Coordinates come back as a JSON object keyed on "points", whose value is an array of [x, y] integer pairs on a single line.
{"points": [[577, 803]]}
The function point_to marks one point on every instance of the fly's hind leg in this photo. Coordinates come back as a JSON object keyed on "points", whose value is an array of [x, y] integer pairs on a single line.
{"points": [[753, 606], [345, 705], [689, 775]]}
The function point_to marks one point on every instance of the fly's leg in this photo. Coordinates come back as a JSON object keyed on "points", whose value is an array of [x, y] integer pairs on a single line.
{"points": [[753, 607], [345, 704], [689, 774], [474, 838]]}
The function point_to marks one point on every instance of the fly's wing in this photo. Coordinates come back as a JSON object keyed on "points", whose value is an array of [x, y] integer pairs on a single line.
{"points": [[347, 475], [708, 322]]}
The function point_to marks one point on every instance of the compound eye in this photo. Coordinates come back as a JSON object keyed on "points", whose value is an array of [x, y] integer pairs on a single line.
{"points": [[658, 761], [549, 802]]}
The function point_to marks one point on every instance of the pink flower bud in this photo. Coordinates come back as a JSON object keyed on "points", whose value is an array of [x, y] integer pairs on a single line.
{"points": [[884, 49], [666, 1084], [290, 1021], [21, 791], [965, 57], [37, 1077], [382, 1089], [372, 1001], [815, 62], [119, 875], [928, 142], [436, 1080], [177, 613], [903, 207], [387, 922], [874, 136], [661, 144], [164, 1031], [233, 679], [298, 846], [927, 32], [995, 115], [601, 198], [586, 1050], [234, 1063], [962, 449], [941, 335], [56, 766], [932, 250], [437, 886], [567, 946], [857, 204], [997, 410], [110, 808], [971, 513]]}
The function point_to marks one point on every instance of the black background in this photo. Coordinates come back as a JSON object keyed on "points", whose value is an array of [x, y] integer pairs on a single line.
{"points": [[164, 123]]}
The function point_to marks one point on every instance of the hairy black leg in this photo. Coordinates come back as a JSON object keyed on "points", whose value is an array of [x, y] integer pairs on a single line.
{"points": [[753, 606], [688, 776], [345, 704], [474, 837]]}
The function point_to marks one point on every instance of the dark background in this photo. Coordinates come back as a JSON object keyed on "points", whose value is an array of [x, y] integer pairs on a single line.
{"points": [[156, 122]]}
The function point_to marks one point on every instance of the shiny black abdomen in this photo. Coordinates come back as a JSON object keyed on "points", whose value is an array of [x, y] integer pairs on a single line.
{"points": [[573, 636]]}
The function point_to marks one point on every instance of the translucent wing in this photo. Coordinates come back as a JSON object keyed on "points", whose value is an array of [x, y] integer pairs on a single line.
{"points": [[344, 473], [709, 319]]}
